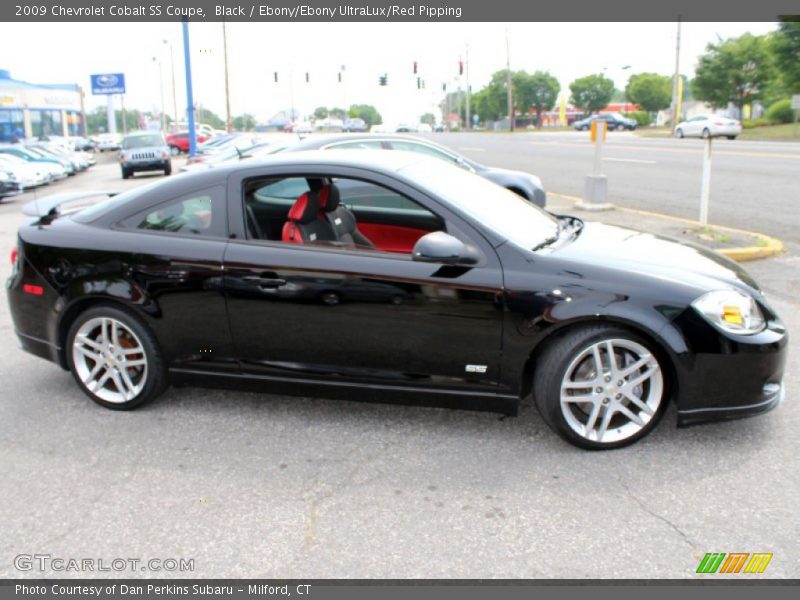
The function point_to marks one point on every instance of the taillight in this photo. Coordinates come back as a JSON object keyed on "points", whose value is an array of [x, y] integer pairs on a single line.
{"points": [[14, 256], [35, 290]]}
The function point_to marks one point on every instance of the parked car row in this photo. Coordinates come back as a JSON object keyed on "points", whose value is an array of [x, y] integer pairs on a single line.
{"points": [[32, 164]]}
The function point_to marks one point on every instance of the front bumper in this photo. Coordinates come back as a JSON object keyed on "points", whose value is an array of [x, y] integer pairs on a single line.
{"points": [[148, 165], [723, 376]]}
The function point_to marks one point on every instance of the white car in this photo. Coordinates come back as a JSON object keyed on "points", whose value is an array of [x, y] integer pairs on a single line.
{"points": [[28, 174], [706, 126], [424, 128], [108, 141]]}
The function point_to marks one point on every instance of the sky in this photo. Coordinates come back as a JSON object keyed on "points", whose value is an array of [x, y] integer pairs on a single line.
{"points": [[365, 51]]}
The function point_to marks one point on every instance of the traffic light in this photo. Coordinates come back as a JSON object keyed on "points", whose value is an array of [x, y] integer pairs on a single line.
{"points": [[460, 67], [383, 80], [415, 67]]}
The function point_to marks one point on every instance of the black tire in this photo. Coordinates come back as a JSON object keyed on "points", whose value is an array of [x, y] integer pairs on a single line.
{"points": [[155, 381], [706, 133], [126, 174], [551, 368], [168, 170], [679, 133], [731, 137]]}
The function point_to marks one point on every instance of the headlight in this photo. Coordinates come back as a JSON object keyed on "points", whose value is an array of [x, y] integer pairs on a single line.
{"points": [[731, 311]]}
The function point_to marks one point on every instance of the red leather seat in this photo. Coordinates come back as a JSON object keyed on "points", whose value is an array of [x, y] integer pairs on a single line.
{"points": [[304, 224]]}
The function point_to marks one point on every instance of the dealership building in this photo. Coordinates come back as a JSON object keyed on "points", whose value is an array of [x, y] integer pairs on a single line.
{"points": [[35, 110]]}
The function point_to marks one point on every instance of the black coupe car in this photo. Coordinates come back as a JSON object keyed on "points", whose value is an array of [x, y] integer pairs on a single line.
{"points": [[427, 284], [524, 184]]}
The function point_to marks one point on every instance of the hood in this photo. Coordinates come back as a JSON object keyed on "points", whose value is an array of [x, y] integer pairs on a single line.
{"points": [[685, 264], [506, 176]]}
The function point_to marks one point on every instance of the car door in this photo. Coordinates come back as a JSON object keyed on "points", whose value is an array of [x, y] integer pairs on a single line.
{"points": [[338, 316], [176, 248]]}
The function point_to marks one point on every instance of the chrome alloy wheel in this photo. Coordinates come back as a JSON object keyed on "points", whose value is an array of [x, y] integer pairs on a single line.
{"points": [[110, 360], [611, 390]]}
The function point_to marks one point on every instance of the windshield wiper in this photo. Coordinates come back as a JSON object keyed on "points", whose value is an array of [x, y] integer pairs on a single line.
{"points": [[549, 240]]}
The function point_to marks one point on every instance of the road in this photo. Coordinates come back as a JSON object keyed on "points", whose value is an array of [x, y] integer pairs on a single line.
{"points": [[753, 184], [258, 485]]}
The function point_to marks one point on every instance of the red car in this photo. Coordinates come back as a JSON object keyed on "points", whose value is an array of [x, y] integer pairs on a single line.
{"points": [[179, 142]]}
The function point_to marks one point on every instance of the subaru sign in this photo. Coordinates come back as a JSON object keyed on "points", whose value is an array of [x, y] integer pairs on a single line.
{"points": [[108, 83]]}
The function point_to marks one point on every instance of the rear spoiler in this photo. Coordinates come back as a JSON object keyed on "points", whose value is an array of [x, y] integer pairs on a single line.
{"points": [[48, 206]]}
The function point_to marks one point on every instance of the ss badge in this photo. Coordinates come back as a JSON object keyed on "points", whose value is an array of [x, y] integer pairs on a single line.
{"points": [[475, 368]]}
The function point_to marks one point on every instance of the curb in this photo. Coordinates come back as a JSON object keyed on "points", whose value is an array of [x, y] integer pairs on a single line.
{"points": [[770, 245]]}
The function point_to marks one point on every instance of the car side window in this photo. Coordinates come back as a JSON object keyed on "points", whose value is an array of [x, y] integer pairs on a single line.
{"points": [[199, 213], [367, 217], [423, 149], [358, 145]]}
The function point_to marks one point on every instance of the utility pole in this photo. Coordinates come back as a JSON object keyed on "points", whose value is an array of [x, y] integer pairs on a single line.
{"points": [[466, 81], [676, 76], [509, 92], [228, 120]]}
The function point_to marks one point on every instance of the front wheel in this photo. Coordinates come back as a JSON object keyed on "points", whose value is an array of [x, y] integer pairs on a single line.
{"points": [[706, 133], [679, 133], [600, 387], [126, 173], [168, 170], [114, 358]]}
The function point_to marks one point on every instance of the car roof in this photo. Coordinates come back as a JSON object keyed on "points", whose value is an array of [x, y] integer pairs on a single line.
{"points": [[317, 141]]}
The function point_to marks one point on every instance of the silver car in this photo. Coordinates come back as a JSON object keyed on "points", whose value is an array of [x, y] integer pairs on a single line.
{"points": [[144, 151]]}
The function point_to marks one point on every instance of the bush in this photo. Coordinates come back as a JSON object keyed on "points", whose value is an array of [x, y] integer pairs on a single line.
{"points": [[781, 112], [642, 118], [753, 123]]}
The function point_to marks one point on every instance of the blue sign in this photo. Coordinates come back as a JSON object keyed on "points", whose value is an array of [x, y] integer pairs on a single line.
{"points": [[108, 83]]}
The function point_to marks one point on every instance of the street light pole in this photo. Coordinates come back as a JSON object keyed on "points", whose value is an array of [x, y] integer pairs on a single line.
{"points": [[228, 121], [187, 59], [174, 92], [161, 89]]}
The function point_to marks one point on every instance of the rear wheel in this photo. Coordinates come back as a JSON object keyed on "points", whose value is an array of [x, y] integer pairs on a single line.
{"points": [[114, 358], [679, 133], [600, 387], [706, 133]]}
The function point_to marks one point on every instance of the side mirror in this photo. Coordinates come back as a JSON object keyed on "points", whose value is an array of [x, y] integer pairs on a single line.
{"points": [[441, 247]]}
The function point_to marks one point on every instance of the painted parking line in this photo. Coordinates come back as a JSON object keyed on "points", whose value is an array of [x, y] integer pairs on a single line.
{"points": [[695, 151], [632, 160]]}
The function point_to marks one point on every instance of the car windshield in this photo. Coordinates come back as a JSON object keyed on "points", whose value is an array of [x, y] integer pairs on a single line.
{"points": [[510, 216], [142, 141]]}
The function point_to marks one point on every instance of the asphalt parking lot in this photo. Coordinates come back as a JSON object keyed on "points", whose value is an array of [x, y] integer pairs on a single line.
{"points": [[258, 485]]}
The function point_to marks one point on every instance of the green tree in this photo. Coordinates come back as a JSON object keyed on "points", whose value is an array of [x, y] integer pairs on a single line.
{"points": [[538, 91], [428, 119], [367, 112], [337, 113], [97, 121], [245, 122], [209, 118], [321, 112], [736, 70], [651, 91], [785, 47], [591, 93]]}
